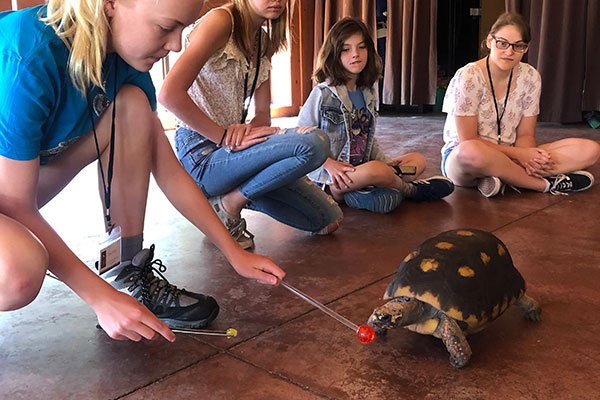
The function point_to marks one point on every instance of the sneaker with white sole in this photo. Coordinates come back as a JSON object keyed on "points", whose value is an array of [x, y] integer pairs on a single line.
{"points": [[235, 224], [381, 200], [178, 308], [490, 186], [429, 189], [570, 182]]}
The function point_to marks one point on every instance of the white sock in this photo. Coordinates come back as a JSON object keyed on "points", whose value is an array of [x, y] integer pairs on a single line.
{"points": [[547, 189]]}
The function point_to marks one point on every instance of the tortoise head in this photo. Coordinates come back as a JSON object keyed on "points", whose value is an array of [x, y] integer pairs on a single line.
{"points": [[388, 316]]}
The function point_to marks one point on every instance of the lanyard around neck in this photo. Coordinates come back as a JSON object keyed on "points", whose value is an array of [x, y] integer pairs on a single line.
{"points": [[111, 156], [248, 99], [498, 115]]}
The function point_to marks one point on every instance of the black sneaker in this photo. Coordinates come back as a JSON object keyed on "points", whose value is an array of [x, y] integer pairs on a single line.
{"points": [[433, 188], [570, 182], [178, 308]]}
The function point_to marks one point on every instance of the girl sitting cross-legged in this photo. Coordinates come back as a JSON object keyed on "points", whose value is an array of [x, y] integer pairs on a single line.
{"points": [[343, 105]]}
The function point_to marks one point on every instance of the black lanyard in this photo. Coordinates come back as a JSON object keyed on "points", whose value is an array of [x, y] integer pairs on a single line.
{"points": [[498, 116], [111, 155], [246, 103]]}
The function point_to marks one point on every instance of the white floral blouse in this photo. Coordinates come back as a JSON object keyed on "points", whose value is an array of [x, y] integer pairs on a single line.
{"points": [[218, 90], [468, 94]]}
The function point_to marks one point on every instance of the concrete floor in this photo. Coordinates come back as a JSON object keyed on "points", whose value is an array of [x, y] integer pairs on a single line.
{"points": [[286, 349]]}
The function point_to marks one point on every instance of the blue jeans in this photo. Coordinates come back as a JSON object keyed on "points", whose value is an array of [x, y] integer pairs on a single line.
{"points": [[444, 158], [269, 174]]}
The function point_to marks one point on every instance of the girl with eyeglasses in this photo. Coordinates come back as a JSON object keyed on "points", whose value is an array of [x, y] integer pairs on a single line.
{"points": [[489, 134]]}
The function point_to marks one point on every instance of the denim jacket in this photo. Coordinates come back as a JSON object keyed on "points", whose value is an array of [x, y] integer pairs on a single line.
{"points": [[328, 108]]}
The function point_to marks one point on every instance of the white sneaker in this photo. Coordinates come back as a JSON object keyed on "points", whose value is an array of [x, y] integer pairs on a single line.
{"points": [[236, 225], [490, 186]]}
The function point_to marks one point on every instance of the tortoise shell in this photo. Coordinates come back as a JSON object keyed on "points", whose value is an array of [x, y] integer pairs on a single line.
{"points": [[468, 274]]}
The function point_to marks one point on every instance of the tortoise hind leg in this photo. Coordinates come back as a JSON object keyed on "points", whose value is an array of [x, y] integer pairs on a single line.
{"points": [[530, 308], [454, 340]]}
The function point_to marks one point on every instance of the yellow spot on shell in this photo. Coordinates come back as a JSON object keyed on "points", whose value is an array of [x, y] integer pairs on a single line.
{"points": [[495, 311], [410, 256], [484, 257], [455, 313], [429, 264], [477, 325], [504, 305], [501, 250], [465, 233], [429, 298], [444, 245], [466, 272], [472, 320], [403, 291]]}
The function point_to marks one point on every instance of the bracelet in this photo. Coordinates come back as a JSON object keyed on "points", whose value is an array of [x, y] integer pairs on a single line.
{"points": [[222, 138]]}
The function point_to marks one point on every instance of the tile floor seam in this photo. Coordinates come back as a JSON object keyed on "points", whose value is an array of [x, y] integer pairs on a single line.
{"points": [[278, 375], [170, 374], [495, 230]]}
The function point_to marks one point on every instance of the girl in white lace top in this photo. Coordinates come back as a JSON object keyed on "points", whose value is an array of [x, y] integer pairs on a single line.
{"points": [[239, 163], [492, 107]]}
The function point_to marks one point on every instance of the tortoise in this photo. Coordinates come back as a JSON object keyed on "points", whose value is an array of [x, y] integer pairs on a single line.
{"points": [[452, 285]]}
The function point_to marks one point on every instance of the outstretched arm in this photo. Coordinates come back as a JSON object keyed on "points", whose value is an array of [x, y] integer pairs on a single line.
{"points": [[121, 316], [188, 199]]}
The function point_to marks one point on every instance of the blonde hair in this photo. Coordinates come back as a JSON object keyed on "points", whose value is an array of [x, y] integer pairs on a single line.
{"points": [[244, 36], [83, 27]]}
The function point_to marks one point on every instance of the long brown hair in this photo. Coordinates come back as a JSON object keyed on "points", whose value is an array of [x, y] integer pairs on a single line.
{"points": [[329, 63]]}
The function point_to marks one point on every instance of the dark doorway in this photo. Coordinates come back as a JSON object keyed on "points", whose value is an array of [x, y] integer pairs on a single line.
{"points": [[457, 34]]}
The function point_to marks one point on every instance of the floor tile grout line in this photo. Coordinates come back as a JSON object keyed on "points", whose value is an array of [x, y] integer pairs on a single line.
{"points": [[278, 376], [495, 230], [172, 373]]}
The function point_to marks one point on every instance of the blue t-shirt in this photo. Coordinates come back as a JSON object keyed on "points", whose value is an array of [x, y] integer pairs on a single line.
{"points": [[361, 125], [40, 108]]}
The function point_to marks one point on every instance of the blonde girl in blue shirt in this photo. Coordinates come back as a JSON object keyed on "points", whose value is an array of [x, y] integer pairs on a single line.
{"points": [[65, 68]]}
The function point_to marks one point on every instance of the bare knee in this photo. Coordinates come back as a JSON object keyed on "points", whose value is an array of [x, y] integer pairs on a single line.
{"points": [[415, 159], [23, 264], [378, 173], [470, 155], [135, 115], [592, 152]]}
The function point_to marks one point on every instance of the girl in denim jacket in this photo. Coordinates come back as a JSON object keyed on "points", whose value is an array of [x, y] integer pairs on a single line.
{"points": [[343, 105]]}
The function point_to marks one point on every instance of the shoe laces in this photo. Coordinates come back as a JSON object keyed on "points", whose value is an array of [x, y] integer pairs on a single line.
{"points": [[561, 184], [156, 290], [421, 182]]}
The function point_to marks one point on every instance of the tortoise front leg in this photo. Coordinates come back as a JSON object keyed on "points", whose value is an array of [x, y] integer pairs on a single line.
{"points": [[530, 308], [454, 340]]}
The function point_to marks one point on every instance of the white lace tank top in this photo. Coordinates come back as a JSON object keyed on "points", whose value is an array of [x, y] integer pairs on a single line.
{"points": [[218, 90]]}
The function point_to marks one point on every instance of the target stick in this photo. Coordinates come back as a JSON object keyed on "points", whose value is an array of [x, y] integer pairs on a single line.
{"points": [[229, 332], [364, 333]]}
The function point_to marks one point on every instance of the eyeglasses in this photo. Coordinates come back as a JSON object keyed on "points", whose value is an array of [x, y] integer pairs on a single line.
{"points": [[502, 44]]}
